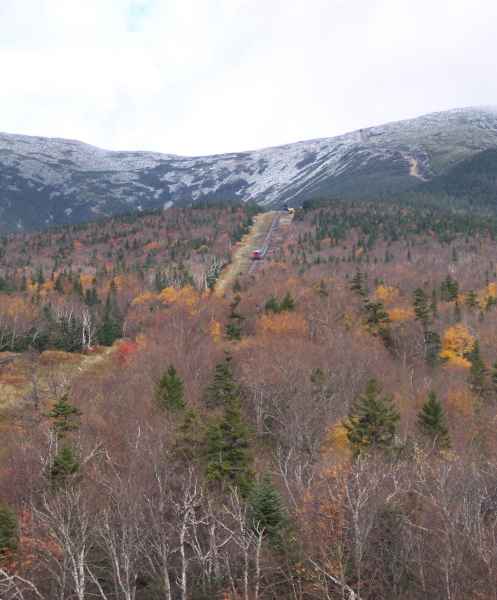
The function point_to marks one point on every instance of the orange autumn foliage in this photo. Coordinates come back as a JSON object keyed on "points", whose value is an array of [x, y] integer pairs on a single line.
{"points": [[283, 323], [86, 280], [125, 351], [400, 314], [152, 246], [386, 294]]}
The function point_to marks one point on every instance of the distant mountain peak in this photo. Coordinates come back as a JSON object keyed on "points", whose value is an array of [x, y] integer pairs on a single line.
{"points": [[48, 181]]}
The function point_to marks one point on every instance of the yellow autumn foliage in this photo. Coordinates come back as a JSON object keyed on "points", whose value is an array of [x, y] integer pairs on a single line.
{"points": [[215, 331], [141, 340], [286, 322], [336, 443], [187, 297], [490, 291], [457, 343], [144, 298], [386, 293]]}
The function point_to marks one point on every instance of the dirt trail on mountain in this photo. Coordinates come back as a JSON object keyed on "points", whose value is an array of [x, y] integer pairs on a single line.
{"points": [[414, 168], [241, 262]]}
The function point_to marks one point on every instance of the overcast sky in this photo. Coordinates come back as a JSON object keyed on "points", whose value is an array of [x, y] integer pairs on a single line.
{"points": [[207, 76]]}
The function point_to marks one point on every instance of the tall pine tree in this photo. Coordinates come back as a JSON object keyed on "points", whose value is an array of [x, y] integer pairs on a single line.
{"points": [[169, 393], [372, 422], [267, 510], [421, 307], [228, 451], [478, 371], [431, 422], [8, 529], [224, 387]]}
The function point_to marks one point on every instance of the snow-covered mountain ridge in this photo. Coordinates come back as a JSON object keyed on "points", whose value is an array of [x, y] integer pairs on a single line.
{"points": [[46, 181]]}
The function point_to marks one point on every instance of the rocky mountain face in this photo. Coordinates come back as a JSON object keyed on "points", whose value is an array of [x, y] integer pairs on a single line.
{"points": [[46, 182]]}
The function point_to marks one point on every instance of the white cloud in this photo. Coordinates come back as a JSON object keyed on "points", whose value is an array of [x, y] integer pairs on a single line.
{"points": [[202, 76]]}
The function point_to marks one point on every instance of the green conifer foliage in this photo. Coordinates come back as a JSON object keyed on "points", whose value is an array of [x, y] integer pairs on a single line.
{"points": [[372, 422], [449, 289], [8, 529], [433, 347], [64, 416], [111, 327], [64, 465], [267, 510], [471, 299], [169, 392], [233, 331], [494, 378], [421, 308], [288, 303], [359, 284], [431, 422], [223, 389], [478, 371], [65, 420], [272, 305], [227, 449], [434, 304], [190, 436]]}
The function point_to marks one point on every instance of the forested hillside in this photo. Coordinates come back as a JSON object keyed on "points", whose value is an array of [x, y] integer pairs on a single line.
{"points": [[327, 429]]}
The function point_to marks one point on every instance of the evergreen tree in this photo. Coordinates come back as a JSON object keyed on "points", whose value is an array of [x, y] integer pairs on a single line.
{"points": [[434, 304], [288, 303], [40, 277], [65, 420], [376, 315], [64, 416], [478, 371], [494, 378], [169, 392], [190, 437], [64, 465], [227, 449], [449, 289], [8, 529], [433, 347], [372, 422], [431, 422], [359, 284], [59, 284], [224, 388], [267, 510], [111, 327], [233, 331], [78, 287], [457, 312], [421, 308], [272, 305], [471, 299]]}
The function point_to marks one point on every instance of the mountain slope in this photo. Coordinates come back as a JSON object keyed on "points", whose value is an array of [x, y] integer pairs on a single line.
{"points": [[473, 179], [52, 181]]}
